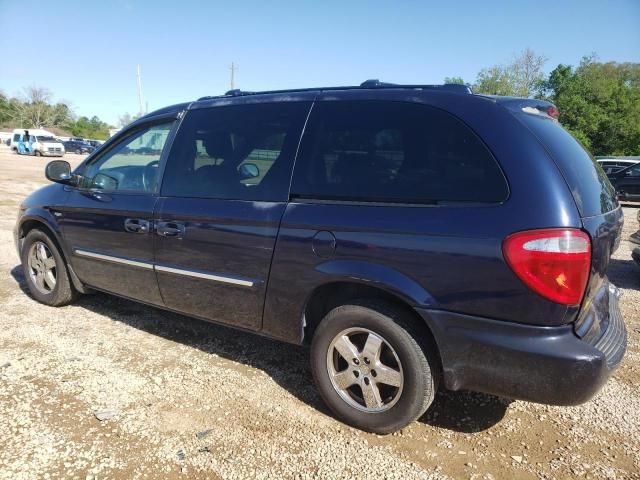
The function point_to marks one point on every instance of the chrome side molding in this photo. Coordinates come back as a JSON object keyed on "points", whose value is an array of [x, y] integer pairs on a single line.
{"points": [[216, 277]]}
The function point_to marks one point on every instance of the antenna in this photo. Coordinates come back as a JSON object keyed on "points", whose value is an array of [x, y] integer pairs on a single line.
{"points": [[233, 69], [140, 92]]}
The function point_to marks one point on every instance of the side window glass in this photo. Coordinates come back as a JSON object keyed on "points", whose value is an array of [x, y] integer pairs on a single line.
{"points": [[394, 152], [132, 165], [634, 171], [240, 152]]}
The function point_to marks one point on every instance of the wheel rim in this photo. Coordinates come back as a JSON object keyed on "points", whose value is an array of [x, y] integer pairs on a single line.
{"points": [[42, 267], [365, 370]]}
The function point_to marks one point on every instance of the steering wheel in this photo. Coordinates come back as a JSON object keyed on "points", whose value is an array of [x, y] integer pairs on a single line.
{"points": [[149, 174]]}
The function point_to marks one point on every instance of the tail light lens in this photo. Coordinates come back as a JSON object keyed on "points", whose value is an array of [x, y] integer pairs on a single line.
{"points": [[553, 112], [554, 263]]}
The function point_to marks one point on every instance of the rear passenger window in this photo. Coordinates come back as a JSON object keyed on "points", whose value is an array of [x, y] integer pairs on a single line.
{"points": [[240, 152], [394, 152]]}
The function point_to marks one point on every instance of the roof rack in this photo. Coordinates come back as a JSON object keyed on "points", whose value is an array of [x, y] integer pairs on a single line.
{"points": [[449, 87], [372, 83]]}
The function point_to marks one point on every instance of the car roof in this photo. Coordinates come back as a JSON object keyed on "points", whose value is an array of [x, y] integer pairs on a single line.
{"points": [[370, 89]]}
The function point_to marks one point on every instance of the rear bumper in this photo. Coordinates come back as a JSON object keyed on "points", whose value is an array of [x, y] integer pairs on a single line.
{"points": [[549, 365]]}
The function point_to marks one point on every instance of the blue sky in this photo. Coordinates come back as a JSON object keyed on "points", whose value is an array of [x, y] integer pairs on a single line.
{"points": [[86, 52]]}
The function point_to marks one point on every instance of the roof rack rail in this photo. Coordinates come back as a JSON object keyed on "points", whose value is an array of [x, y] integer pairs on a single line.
{"points": [[372, 83], [236, 92], [449, 87]]}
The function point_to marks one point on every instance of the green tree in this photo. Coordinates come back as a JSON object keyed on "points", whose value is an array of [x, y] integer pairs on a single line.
{"points": [[523, 77], [494, 80], [455, 80], [126, 118], [599, 103], [92, 128]]}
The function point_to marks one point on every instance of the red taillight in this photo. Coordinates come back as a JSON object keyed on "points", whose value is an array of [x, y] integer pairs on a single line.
{"points": [[554, 263], [553, 112]]}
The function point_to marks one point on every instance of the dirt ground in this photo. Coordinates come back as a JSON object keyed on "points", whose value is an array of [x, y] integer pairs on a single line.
{"points": [[188, 399]]}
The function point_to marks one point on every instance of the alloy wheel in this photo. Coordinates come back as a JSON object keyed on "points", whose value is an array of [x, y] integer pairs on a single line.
{"points": [[365, 370], [42, 267]]}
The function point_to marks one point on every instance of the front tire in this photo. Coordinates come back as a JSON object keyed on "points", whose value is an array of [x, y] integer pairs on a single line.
{"points": [[45, 270], [38, 153], [371, 366]]}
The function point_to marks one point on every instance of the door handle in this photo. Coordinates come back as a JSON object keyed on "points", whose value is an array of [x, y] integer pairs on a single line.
{"points": [[170, 229], [136, 225]]}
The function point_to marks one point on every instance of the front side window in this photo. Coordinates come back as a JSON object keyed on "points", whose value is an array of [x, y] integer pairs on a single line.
{"points": [[131, 165], [240, 152], [376, 151]]}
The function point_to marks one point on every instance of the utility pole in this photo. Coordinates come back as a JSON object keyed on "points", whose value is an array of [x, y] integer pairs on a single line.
{"points": [[233, 69], [140, 92]]}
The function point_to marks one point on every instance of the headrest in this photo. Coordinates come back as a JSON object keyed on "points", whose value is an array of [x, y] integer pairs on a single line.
{"points": [[218, 144]]}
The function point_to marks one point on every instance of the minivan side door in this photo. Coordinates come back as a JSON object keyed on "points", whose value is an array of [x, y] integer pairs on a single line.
{"points": [[107, 220], [224, 191]]}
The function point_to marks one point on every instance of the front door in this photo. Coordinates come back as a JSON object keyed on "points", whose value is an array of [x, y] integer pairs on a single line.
{"points": [[108, 219], [224, 191]]}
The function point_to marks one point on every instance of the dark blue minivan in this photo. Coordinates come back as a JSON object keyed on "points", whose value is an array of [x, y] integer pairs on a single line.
{"points": [[415, 236]]}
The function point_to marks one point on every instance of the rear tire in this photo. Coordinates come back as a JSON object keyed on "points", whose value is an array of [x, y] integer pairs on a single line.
{"points": [[381, 394], [45, 270]]}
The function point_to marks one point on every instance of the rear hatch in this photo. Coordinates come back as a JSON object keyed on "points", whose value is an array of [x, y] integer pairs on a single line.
{"points": [[598, 207]]}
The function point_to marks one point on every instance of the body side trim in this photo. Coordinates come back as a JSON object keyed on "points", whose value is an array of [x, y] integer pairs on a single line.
{"points": [[163, 268]]}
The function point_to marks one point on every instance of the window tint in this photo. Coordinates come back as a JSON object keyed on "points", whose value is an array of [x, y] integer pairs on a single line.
{"points": [[16, 137], [589, 185], [394, 152], [242, 152], [132, 165], [633, 171]]}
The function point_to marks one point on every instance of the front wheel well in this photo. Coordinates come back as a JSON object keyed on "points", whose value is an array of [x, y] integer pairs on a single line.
{"points": [[29, 225]]}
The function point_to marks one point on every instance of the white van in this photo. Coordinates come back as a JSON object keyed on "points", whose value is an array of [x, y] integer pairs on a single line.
{"points": [[35, 141]]}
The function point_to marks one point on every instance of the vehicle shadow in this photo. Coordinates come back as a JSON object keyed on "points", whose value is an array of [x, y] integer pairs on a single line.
{"points": [[286, 364], [624, 273]]}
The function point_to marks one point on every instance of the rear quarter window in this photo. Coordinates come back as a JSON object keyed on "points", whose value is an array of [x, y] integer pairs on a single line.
{"points": [[589, 185], [382, 151]]}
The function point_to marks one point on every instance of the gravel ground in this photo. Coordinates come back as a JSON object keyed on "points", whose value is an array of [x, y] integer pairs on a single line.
{"points": [[107, 388]]}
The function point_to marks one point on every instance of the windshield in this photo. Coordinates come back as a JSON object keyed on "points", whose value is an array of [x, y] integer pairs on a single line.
{"points": [[46, 139]]}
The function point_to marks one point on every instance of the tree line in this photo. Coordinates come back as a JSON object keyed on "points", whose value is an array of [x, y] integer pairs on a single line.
{"points": [[34, 108], [599, 103]]}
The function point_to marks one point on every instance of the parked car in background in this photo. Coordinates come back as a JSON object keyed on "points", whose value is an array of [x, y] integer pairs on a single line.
{"points": [[77, 139], [95, 143], [389, 227], [40, 145], [613, 165], [80, 147], [627, 183]]}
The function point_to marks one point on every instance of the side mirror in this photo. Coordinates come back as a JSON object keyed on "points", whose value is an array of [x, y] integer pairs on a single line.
{"points": [[58, 171], [104, 182], [249, 170]]}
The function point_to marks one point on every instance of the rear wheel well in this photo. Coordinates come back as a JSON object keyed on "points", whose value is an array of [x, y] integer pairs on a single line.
{"points": [[327, 297]]}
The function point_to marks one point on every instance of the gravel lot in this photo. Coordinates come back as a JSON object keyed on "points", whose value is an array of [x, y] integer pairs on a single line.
{"points": [[180, 398]]}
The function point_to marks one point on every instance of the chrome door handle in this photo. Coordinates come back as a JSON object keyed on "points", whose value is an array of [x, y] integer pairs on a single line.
{"points": [[136, 225], [170, 229]]}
